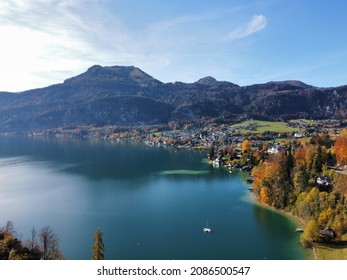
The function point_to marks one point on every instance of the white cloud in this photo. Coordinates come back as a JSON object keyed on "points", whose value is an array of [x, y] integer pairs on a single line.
{"points": [[257, 23], [45, 41]]}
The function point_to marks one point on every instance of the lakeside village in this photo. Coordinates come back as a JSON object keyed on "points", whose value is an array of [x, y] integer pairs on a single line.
{"points": [[298, 167], [200, 137]]}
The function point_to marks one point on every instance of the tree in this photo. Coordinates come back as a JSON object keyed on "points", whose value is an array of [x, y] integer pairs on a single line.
{"points": [[211, 154], [300, 179], [317, 161], [32, 242], [244, 159], [246, 147], [288, 164], [9, 227], [263, 196], [33, 248], [266, 177], [341, 147], [340, 183], [98, 246], [310, 234], [299, 156], [258, 156], [49, 244], [309, 154]]}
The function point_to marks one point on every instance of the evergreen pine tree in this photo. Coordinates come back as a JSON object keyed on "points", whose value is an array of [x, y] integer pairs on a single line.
{"points": [[211, 153], [98, 246], [318, 161], [288, 164]]}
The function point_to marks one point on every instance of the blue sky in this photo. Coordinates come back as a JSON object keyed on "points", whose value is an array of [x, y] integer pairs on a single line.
{"points": [[243, 41]]}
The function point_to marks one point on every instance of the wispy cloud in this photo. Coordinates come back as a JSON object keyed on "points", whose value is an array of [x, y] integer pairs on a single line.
{"points": [[46, 41], [257, 23], [56, 37]]}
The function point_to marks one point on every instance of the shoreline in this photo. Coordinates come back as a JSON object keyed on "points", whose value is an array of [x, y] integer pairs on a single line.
{"points": [[296, 220], [310, 254]]}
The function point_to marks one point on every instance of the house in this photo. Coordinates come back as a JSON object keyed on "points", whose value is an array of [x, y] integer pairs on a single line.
{"points": [[298, 135], [327, 234], [324, 180], [275, 149], [218, 162]]}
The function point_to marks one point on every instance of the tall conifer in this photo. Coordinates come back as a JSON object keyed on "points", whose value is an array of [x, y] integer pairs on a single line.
{"points": [[98, 246]]}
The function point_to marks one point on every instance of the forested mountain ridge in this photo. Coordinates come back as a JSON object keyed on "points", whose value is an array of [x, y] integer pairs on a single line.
{"points": [[125, 95]]}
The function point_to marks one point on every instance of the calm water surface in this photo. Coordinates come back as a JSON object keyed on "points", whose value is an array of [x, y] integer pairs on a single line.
{"points": [[151, 203]]}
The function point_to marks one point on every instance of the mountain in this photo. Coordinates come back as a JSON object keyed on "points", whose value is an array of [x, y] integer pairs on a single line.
{"points": [[210, 81], [125, 95], [118, 75]]}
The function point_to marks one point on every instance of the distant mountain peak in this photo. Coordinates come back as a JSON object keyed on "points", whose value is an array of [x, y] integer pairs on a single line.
{"points": [[210, 81], [120, 74], [97, 68], [292, 83]]}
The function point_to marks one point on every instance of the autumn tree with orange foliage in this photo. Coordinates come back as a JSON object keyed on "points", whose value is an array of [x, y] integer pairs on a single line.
{"points": [[286, 181], [299, 156], [341, 147], [340, 183], [246, 148], [272, 183], [263, 196]]}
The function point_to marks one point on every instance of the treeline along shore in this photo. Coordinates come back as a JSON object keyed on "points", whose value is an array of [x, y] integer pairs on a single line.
{"points": [[306, 178]]}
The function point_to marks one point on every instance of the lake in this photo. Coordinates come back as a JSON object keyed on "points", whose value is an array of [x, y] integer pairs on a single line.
{"points": [[150, 202]]}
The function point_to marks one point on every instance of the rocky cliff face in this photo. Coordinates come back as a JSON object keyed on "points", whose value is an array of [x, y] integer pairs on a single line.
{"points": [[120, 95]]}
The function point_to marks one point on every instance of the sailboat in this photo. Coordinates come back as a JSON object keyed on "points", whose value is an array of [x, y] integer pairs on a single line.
{"points": [[207, 229]]}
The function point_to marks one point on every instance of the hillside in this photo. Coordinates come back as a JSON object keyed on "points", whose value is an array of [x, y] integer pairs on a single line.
{"points": [[122, 95]]}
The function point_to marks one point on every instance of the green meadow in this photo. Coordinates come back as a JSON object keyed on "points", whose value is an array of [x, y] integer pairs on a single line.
{"points": [[262, 126]]}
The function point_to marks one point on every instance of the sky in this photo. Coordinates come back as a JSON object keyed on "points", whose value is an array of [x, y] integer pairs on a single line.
{"points": [[44, 42]]}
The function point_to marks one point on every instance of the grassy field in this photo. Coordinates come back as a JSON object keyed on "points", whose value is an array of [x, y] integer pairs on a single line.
{"points": [[262, 126], [303, 121], [279, 140], [331, 252]]}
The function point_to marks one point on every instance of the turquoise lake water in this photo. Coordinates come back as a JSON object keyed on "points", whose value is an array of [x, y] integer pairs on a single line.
{"points": [[150, 202]]}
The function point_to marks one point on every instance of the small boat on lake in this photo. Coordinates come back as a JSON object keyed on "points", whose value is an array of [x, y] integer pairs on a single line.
{"points": [[207, 229]]}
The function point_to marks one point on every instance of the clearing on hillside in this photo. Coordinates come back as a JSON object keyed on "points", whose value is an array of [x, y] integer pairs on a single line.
{"points": [[254, 126]]}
